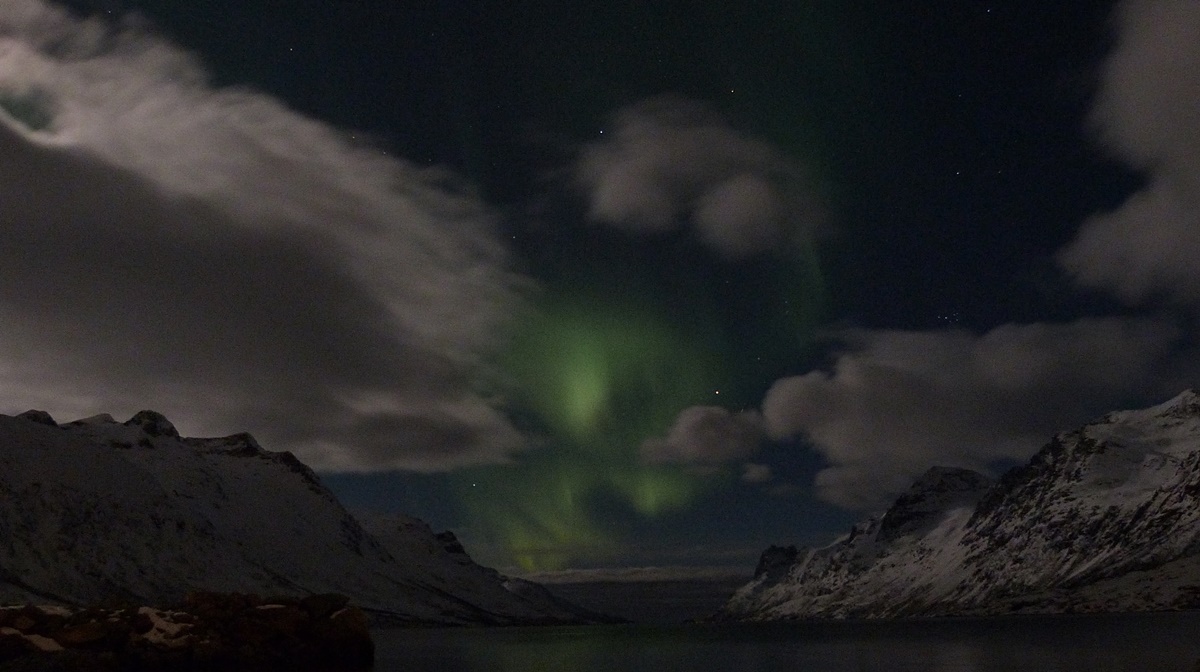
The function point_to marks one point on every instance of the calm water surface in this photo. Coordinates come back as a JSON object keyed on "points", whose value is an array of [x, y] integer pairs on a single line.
{"points": [[1109, 643]]}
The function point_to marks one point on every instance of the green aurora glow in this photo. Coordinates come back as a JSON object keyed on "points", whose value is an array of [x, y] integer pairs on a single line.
{"points": [[598, 378], [594, 375]]}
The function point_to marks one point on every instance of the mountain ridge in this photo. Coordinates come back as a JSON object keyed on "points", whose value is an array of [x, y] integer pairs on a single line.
{"points": [[1085, 525], [96, 510]]}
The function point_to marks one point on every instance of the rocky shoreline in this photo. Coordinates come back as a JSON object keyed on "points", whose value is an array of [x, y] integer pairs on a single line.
{"points": [[207, 631]]}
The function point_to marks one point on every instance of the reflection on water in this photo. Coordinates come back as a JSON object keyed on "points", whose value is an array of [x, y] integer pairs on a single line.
{"points": [[1108, 643]]}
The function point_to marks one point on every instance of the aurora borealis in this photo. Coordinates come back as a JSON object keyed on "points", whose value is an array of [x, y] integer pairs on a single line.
{"points": [[594, 380], [594, 376], [651, 284]]}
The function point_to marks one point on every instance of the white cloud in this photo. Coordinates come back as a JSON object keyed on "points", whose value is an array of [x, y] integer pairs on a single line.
{"points": [[1147, 113], [899, 402], [706, 435], [210, 254], [667, 162]]}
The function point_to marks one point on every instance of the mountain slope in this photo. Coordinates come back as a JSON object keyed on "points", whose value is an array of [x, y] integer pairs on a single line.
{"points": [[1106, 517], [97, 510]]}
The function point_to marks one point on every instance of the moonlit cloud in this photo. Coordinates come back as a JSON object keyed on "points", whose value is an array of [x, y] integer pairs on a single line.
{"points": [[1148, 114], [706, 435], [212, 255], [669, 162], [897, 402]]}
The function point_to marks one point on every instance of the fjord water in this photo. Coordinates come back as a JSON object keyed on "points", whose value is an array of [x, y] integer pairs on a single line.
{"points": [[1091, 643]]}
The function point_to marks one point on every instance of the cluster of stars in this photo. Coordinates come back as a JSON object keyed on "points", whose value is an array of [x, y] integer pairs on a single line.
{"points": [[949, 318]]}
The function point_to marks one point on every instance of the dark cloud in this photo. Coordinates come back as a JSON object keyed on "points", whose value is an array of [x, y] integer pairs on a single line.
{"points": [[1147, 113], [668, 161], [706, 435], [214, 256], [899, 402], [756, 473]]}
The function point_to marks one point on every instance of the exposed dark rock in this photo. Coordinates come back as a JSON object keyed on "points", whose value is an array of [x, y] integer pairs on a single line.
{"points": [[288, 459], [242, 444], [774, 559], [40, 417], [938, 490], [450, 542], [153, 424], [211, 631]]}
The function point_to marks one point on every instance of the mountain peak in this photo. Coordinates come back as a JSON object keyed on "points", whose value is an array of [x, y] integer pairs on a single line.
{"points": [[40, 417], [93, 518], [98, 419], [950, 479], [153, 423], [1103, 518], [775, 560], [1185, 404], [937, 491]]}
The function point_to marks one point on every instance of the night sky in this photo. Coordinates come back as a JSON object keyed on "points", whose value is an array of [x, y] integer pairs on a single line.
{"points": [[649, 284]]}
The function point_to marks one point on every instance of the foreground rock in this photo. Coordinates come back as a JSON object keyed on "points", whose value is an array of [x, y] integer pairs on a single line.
{"points": [[1103, 518], [96, 511], [209, 631]]}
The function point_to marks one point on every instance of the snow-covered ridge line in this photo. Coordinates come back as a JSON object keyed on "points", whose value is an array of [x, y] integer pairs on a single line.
{"points": [[1102, 518], [97, 510]]}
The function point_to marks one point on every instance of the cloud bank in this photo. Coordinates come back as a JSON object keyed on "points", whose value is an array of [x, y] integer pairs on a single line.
{"points": [[706, 435], [1147, 114], [669, 162], [210, 254], [897, 402]]}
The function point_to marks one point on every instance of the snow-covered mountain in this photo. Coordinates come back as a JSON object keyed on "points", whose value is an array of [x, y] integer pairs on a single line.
{"points": [[97, 510], [1103, 518]]}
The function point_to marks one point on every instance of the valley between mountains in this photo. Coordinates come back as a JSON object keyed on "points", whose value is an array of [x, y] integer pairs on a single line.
{"points": [[1105, 517]]}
